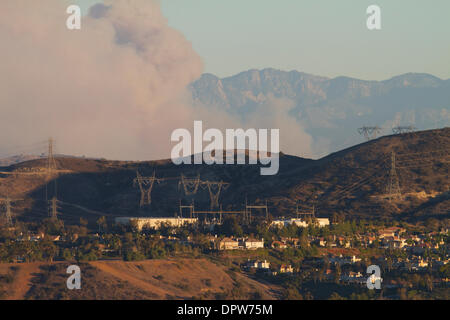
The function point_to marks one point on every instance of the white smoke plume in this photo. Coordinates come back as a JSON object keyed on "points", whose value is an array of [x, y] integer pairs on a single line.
{"points": [[114, 89]]}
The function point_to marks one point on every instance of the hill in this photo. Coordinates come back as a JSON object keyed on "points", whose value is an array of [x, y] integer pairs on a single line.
{"points": [[352, 182], [118, 280]]}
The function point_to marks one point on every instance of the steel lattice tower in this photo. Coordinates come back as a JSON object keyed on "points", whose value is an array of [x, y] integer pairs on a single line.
{"points": [[393, 188], [370, 132], [53, 212], [8, 213], [146, 186], [51, 167]]}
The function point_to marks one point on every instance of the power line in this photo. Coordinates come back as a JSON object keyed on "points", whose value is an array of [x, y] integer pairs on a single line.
{"points": [[344, 192], [401, 154]]}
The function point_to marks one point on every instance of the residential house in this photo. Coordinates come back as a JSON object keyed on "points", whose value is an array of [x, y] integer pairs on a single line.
{"points": [[228, 244], [257, 264], [252, 244], [278, 245], [286, 269]]}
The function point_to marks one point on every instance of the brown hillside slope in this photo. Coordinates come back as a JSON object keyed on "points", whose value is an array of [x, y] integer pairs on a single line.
{"points": [[21, 275], [352, 181], [150, 279]]}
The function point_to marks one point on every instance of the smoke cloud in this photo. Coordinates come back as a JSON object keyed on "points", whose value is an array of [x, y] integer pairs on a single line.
{"points": [[117, 88], [111, 89]]}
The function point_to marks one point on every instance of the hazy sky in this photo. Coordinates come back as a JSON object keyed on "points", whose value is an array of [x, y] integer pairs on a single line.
{"points": [[324, 37]]}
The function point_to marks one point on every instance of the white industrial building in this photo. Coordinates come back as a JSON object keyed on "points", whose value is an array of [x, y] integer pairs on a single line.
{"points": [[155, 223], [322, 222]]}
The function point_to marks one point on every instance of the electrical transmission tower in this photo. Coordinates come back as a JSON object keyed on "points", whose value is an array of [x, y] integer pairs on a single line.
{"points": [[51, 163], [215, 188], [190, 186], [369, 132], [8, 213], [51, 167], [146, 186], [53, 208], [393, 187], [403, 129]]}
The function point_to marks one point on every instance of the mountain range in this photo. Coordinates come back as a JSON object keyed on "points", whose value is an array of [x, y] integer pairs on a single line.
{"points": [[331, 109]]}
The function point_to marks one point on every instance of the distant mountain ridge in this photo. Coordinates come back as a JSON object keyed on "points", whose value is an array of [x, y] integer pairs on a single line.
{"points": [[4, 162], [331, 109], [17, 159]]}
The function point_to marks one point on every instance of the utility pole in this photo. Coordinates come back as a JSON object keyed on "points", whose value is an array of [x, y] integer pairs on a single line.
{"points": [[191, 210], [306, 213], [248, 210]]}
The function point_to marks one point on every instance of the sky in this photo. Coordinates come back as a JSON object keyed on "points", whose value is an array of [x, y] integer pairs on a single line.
{"points": [[325, 37]]}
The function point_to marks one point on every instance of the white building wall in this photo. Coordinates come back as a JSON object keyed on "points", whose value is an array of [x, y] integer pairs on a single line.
{"points": [[156, 223]]}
